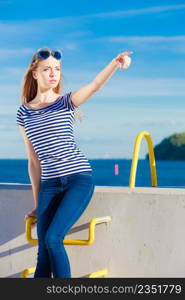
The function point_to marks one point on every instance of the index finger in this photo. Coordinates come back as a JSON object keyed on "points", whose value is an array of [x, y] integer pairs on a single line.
{"points": [[127, 52]]}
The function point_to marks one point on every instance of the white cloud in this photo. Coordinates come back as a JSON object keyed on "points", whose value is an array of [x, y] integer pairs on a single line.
{"points": [[142, 39], [146, 43], [120, 87], [6, 52], [61, 25], [6, 2], [135, 12], [71, 46], [8, 72]]}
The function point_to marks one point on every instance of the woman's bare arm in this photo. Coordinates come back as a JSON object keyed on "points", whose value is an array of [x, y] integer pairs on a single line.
{"points": [[121, 61], [34, 174], [34, 168]]}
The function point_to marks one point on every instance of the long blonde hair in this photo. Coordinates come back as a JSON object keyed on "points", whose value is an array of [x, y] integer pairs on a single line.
{"points": [[29, 86]]}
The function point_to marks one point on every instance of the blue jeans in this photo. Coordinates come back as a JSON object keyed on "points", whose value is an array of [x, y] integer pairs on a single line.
{"points": [[61, 202]]}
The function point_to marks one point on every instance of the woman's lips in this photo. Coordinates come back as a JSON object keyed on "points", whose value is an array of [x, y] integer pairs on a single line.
{"points": [[53, 81]]}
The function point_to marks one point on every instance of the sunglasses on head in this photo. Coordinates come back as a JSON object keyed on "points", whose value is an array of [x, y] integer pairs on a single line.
{"points": [[45, 52]]}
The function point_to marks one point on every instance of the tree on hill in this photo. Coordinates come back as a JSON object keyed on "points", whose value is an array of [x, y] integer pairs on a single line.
{"points": [[171, 148]]}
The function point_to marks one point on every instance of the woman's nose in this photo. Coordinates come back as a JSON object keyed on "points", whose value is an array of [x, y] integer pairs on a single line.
{"points": [[52, 72]]}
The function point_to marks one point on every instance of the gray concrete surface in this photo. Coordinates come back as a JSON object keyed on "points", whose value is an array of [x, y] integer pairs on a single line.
{"points": [[144, 239]]}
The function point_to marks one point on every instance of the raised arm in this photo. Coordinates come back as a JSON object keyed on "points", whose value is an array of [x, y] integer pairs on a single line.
{"points": [[121, 61]]}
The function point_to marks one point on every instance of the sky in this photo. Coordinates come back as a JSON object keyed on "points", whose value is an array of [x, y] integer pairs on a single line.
{"points": [[149, 96]]}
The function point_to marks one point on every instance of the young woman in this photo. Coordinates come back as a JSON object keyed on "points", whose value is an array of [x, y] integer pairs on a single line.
{"points": [[61, 176]]}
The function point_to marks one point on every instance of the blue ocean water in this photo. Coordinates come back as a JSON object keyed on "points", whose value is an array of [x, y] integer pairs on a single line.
{"points": [[169, 173]]}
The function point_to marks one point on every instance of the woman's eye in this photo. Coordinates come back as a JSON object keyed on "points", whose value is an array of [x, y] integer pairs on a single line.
{"points": [[48, 69]]}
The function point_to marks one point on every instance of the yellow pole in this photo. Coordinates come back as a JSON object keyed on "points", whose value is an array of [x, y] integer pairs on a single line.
{"points": [[135, 159], [89, 241]]}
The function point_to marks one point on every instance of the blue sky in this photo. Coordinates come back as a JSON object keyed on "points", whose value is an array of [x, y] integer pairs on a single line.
{"points": [[149, 96]]}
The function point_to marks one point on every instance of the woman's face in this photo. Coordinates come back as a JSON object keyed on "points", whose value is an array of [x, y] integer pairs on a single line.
{"points": [[48, 73]]}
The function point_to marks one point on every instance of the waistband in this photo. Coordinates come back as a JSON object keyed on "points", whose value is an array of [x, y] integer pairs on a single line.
{"points": [[65, 176]]}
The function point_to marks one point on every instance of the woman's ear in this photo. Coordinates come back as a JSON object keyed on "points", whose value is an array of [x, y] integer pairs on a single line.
{"points": [[34, 74]]}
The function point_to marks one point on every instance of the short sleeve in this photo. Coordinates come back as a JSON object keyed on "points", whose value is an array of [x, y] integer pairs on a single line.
{"points": [[19, 118], [68, 101]]}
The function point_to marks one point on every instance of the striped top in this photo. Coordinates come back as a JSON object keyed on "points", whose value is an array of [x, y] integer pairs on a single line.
{"points": [[50, 130]]}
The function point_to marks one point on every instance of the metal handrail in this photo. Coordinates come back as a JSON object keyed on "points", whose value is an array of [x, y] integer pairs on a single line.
{"points": [[96, 274], [135, 159], [89, 241]]}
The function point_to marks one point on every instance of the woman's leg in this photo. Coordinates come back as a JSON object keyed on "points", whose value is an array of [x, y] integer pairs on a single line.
{"points": [[49, 197], [79, 189]]}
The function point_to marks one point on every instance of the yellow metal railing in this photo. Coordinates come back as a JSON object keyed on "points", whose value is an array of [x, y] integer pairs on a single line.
{"points": [[89, 241], [96, 274], [135, 159], [100, 273], [27, 272]]}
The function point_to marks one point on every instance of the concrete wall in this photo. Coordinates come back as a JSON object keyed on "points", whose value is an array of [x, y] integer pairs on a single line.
{"points": [[144, 239]]}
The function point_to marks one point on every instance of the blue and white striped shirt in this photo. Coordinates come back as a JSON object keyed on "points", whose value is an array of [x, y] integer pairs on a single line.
{"points": [[50, 130]]}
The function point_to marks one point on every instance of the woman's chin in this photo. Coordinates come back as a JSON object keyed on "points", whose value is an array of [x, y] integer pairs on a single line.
{"points": [[51, 85]]}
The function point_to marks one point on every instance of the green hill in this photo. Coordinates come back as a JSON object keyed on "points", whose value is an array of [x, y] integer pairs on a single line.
{"points": [[171, 148]]}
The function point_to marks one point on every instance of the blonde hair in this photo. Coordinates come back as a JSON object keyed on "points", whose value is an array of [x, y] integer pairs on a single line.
{"points": [[29, 86]]}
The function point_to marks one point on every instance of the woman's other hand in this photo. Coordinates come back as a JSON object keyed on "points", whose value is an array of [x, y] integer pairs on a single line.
{"points": [[31, 214]]}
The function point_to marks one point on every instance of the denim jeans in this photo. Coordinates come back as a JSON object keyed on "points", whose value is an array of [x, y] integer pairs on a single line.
{"points": [[61, 202]]}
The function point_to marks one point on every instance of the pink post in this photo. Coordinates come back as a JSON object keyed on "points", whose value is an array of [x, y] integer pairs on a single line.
{"points": [[116, 169]]}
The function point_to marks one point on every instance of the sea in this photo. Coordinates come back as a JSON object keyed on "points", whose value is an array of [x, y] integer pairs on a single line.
{"points": [[107, 172]]}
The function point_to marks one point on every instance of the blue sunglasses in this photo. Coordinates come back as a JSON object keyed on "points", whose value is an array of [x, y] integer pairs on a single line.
{"points": [[45, 52]]}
